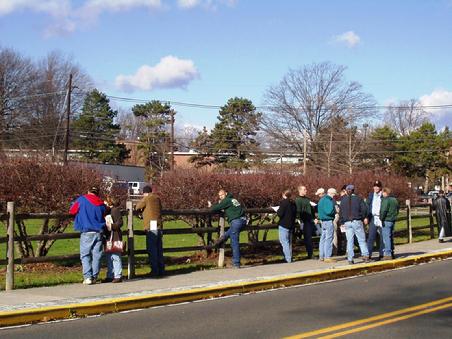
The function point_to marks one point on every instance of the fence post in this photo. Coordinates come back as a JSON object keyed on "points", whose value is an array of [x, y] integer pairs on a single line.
{"points": [[221, 251], [408, 221], [432, 222], [130, 241], [9, 285]]}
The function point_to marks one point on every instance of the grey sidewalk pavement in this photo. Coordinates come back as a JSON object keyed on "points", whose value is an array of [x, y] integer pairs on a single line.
{"points": [[35, 298]]}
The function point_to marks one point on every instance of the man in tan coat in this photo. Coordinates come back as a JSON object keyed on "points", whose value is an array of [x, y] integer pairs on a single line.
{"points": [[152, 221]]}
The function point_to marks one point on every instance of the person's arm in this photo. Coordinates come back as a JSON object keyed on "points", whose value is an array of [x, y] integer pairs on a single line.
{"points": [[282, 208], [141, 204], [383, 210], [225, 203], [117, 219], [74, 208]]}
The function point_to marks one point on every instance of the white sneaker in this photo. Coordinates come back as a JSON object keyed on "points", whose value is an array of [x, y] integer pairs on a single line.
{"points": [[87, 281]]}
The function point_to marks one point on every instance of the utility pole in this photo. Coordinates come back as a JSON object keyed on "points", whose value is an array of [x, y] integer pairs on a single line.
{"points": [[68, 114], [350, 159], [172, 140], [305, 151]]}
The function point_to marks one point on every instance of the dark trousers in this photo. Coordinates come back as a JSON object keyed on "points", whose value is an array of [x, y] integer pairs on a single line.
{"points": [[154, 246], [308, 229]]}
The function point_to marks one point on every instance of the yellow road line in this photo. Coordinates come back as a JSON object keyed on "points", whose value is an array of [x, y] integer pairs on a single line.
{"points": [[370, 319], [388, 321]]}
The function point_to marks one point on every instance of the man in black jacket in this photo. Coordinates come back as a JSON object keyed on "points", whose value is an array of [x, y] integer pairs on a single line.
{"points": [[352, 214], [287, 212]]}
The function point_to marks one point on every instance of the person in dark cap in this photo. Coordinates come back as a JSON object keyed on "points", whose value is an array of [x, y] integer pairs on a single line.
{"points": [[89, 211], [352, 214], [441, 205], [375, 224]]}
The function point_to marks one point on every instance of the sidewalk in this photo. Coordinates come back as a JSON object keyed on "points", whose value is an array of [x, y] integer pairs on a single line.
{"points": [[73, 300]]}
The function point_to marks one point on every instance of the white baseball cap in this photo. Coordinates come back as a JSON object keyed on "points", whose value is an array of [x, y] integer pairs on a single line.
{"points": [[320, 191]]}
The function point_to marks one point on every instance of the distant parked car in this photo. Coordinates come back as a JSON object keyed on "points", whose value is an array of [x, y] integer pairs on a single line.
{"points": [[136, 187]]}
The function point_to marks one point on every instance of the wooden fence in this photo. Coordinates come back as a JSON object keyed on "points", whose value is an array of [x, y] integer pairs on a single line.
{"points": [[202, 217]]}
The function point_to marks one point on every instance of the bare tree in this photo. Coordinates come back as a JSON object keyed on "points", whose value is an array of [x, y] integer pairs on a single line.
{"points": [[131, 126], [406, 116], [33, 98], [307, 99], [185, 136], [17, 75]]}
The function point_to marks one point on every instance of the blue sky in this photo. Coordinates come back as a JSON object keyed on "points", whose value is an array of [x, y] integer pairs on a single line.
{"points": [[207, 51]]}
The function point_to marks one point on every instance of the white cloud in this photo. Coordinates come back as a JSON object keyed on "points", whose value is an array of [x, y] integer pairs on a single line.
{"points": [[69, 15], [170, 72], [93, 8], [439, 97], [55, 8], [206, 4], [188, 3], [350, 39]]}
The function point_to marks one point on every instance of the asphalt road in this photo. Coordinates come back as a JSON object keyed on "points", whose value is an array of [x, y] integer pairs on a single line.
{"points": [[288, 312]]}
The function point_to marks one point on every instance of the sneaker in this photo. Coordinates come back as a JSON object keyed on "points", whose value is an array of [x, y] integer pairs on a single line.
{"points": [[87, 281], [116, 280], [107, 280], [365, 259], [93, 281], [351, 262], [441, 240]]}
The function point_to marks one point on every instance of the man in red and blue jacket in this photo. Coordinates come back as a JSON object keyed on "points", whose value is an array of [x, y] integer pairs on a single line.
{"points": [[89, 211]]}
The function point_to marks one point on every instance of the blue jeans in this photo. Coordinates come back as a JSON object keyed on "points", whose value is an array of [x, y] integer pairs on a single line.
{"points": [[235, 226], [326, 239], [114, 265], [387, 235], [154, 246], [90, 253], [355, 228], [285, 238], [308, 228], [373, 230]]}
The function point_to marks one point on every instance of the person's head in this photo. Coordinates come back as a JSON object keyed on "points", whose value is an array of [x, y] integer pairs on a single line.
{"points": [[441, 193], [377, 185], [386, 192], [320, 192], [302, 190], [350, 189], [331, 192], [93, 190], [222, 194], [343, 191], [112, 201], [147, 189], [287, 194]]}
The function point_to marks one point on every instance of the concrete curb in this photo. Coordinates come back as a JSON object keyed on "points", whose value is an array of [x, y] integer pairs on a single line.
{"points": [[27, 316]]}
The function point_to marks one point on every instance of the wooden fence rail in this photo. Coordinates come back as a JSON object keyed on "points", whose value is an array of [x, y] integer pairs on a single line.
{"points": [[11, 218]]}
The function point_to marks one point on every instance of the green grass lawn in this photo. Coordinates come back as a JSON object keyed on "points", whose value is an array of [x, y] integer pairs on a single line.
{"points": [[178, 262]]}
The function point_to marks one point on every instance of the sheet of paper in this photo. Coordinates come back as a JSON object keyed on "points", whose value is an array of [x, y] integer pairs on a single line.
{"points": [[108, 221], [153, 225]]}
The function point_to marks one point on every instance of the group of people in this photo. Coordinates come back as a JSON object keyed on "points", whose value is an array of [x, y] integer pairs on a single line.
{"points": [[335, 214], [99, 223], [348, 214]]}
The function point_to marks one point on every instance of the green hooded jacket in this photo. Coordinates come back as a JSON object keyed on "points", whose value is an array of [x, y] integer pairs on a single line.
{"points": [[232, 208]]}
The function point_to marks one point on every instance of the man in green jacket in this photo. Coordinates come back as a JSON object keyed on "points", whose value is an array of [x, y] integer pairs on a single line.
{"points": [[236, 218], [327, 211], [305, 213], [388, 214]]}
